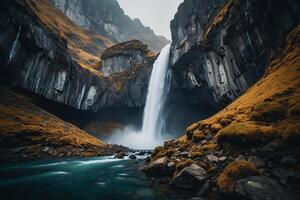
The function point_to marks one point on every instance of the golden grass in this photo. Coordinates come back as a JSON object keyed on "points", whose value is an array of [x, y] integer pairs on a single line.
{"points": [[233, 172], [246, 133], [22, 122]]}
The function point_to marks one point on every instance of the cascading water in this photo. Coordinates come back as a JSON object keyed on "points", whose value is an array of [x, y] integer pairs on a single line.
{"points": [[153, 121], [151, 133], [13, 48]]}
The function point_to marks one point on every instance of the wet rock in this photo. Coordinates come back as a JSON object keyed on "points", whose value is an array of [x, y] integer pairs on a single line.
{"points": [[222, 158], [171, 167], [191, 177], [212, 158], [120, 155], [273, 146], [240, 157], [256, 161], [261, 188], [157, 168], [289, 161], [132, 157], [46, 149], [205, 188], [184, 154]]}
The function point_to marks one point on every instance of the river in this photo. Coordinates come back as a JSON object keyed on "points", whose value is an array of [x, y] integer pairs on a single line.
{"points": [[80, 178]]}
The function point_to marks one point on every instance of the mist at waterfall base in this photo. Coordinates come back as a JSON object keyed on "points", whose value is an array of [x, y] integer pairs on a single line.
{"points": [[152, 132]]}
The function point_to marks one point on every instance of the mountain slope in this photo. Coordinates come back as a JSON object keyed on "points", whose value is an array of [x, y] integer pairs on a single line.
{"points": [[107, 18], [27, 132]]}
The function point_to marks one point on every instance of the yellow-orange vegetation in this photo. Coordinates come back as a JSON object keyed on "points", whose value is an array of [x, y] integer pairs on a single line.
{"points": [[219, 18], [233, 172], [22, 124], [270, 108], [77, 39]]}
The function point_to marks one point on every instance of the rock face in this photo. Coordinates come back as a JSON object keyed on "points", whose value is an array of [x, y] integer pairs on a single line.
{"points": [[122, 56], [107, 18], [220, 48], [42, 55]]}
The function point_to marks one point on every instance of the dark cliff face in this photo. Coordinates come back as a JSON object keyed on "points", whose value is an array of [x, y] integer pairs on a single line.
{"points": [[107, 18], [123, 56], [220, 48], [39, 57]]}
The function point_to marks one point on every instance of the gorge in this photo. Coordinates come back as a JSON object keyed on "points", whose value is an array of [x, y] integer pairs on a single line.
{"points": [[95, 105]]}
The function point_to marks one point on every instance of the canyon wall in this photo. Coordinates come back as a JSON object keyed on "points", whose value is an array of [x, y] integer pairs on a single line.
{"points": [[108, 18], [47, 54], [220, 48]]}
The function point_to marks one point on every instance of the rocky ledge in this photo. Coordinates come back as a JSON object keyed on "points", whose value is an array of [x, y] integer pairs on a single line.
{"points": [[222, 47], [249, 150], [124, 55]]}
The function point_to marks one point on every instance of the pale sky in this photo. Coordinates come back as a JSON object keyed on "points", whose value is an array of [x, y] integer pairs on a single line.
{"points": [[156, 14]]}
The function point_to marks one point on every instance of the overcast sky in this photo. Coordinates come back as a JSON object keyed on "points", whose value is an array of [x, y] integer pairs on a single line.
{"points": [[156, 14]]}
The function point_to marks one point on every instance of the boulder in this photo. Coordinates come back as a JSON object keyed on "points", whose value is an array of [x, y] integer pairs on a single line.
{"points": [[289, 161], [120, 155], [132, 157], [256, 161], [191, 177], [261, 188], [157, 168]]}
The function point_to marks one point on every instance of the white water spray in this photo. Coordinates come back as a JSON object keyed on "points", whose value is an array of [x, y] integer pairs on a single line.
{"points": [[151, 133], [12, 53]]}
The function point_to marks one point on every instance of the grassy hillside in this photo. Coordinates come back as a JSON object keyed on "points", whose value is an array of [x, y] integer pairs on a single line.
{"points": [[27, 131]]}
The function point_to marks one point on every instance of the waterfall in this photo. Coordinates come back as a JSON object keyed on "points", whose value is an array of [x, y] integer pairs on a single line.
{"points": [[153, 120], [13, 48]]}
